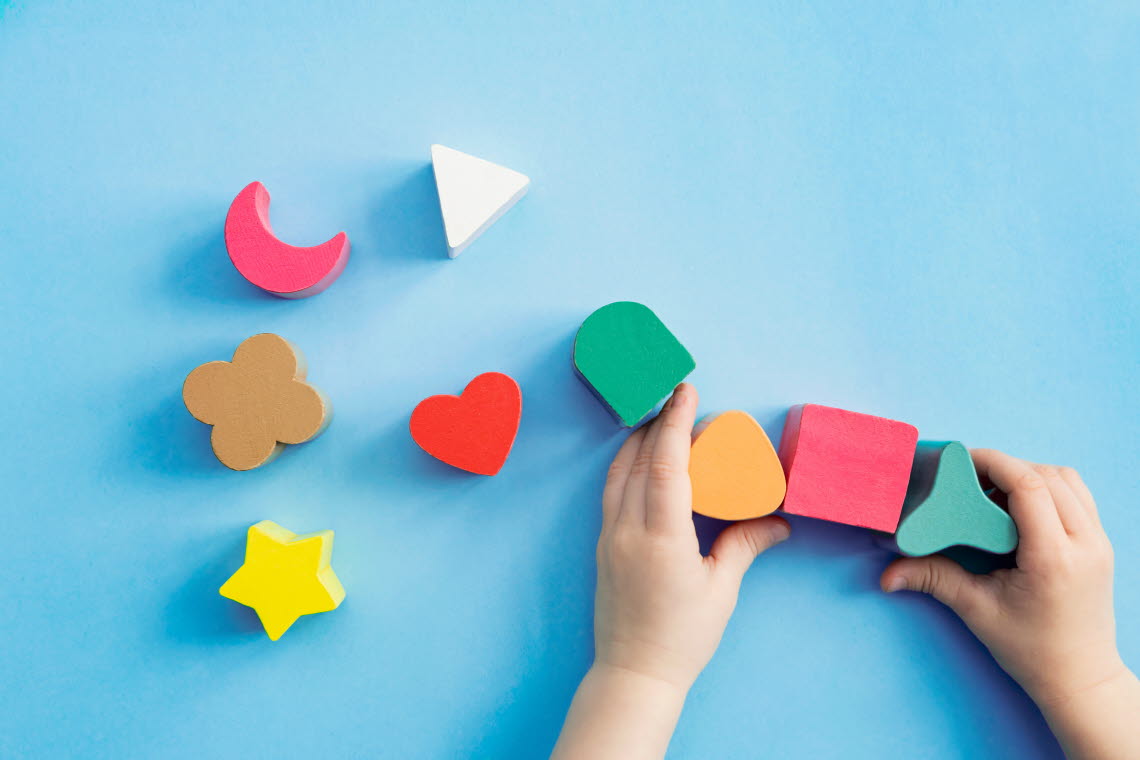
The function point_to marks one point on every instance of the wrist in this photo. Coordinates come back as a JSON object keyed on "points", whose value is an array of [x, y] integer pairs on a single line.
{"points": [[654, 689], [1088, 683], [649, 660], [620, 714], [1097, 720]]}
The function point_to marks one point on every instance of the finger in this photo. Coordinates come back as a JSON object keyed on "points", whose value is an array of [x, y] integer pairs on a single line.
{"points": [[1073, 515], [617, 476], [633, 500], [669, 493], [703, 425], [740, 543], [1030, 503], [1073, 478], [942, 578]]}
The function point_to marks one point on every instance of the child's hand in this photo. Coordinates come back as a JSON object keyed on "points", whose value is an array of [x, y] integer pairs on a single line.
{"points": [[1049, 621], [661, 607]]}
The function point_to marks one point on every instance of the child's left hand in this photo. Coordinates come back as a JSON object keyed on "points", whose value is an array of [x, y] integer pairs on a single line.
{"points": [[661, 607]]}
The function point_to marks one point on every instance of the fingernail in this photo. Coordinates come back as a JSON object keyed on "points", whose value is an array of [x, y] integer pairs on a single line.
{"points": [[896, 583]]}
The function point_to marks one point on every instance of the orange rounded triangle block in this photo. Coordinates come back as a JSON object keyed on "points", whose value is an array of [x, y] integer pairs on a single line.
{"points": [[734, 469]]}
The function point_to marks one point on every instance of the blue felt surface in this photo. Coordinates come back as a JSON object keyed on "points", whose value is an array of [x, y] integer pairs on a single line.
{"points": [[928, 213]]}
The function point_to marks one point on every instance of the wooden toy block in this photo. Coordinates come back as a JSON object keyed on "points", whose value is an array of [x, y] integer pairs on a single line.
{"points": [[734, 469], [945, 506], [846, 467], [257, 402], [281, 269], [285, 576], [475, 430], [629, 359], [473, 194]]}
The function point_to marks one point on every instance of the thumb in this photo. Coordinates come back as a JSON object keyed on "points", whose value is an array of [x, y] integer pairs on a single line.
{"points": [[941, 577], [739, 544]]}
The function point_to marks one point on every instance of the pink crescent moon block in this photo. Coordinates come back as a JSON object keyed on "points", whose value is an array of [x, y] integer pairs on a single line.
{"points": [[284, 270]]}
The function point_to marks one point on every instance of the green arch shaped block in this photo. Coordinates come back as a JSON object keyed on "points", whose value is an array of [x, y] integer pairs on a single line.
{"points": [[628, 358]]}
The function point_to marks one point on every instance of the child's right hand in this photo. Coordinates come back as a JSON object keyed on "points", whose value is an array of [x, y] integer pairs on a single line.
{"points": [[1049, 621]]}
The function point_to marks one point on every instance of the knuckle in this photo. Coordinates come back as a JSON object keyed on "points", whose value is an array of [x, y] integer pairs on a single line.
{"points": [[1064, 563], [1105, 558], [618, 473], [661, 470], [928, 582], [950, 591], [1069, 473], [753, 542], [622, 545], [964, 604], [759, 541], [1031, 481], [659, 548], [946, 587], [641, 464]]}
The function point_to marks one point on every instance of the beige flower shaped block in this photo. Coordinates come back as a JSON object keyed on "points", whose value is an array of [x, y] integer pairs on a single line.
{"points": [[257, 402]]}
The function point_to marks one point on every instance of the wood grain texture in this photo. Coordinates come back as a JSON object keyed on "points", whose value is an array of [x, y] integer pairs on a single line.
{"points": [[257, 402], [281, 269], [734, 469], [475, 430], [845, 466], [629, 359]]}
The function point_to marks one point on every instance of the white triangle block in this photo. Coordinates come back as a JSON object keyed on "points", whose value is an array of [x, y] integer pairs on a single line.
{"points": [[473, 193]]}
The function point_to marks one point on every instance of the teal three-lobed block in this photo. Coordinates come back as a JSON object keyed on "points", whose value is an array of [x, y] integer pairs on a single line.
{"points": [[945, 506]]}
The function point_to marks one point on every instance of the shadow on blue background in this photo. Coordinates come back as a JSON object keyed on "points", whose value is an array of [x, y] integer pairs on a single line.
{"points": [[197, 612], [928, 215], [202, 276], [407, 218]]}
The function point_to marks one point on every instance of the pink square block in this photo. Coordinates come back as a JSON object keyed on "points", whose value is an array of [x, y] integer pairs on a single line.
{"points": [[846, 467]]}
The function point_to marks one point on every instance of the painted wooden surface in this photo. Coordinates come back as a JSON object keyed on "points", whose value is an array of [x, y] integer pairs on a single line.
{"points": [[945, 506], [734, 469], [473, 194], [284, 270], [475, 430], [846, 467], [257, 403], [285, 576], [629, 359]]}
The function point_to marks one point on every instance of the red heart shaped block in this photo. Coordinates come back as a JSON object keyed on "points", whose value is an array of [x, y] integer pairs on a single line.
{"points": [[475, 430]]}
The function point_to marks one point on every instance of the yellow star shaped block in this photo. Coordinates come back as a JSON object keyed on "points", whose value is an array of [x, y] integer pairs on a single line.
{"points": [[285, 576]]}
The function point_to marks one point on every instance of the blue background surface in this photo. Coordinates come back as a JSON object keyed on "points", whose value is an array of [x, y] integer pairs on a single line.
{"points": [[924, 213]]}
